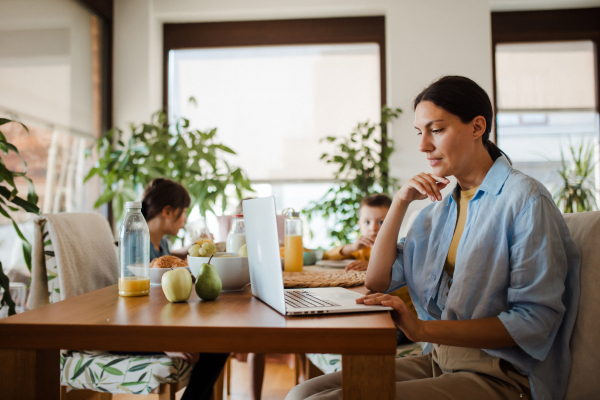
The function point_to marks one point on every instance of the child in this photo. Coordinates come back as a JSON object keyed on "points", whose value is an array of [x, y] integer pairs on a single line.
{"points": [[164, 207], [371, 213]]}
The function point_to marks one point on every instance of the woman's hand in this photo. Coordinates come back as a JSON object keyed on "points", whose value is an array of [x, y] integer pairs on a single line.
{"points": [[402, 316], [422, 186], [192, 358], [357, 266]]}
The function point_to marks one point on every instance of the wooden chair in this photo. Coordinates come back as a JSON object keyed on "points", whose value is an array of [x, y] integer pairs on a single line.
{"points": [[61, 243]]}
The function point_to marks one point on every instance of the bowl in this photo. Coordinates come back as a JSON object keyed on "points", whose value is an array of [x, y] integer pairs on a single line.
{"points": [[155, 273], [233, 270]]}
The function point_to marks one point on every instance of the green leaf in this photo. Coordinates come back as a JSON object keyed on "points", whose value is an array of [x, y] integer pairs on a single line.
{"points": [[132, 383], [104, 198], [79, 369], [139, 367], [6, 297], [110, 370]]}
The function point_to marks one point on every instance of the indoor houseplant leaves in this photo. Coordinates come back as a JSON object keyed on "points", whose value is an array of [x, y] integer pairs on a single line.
{"points": [[159, 149], [362, 168], [576, 192], [10, 201]]}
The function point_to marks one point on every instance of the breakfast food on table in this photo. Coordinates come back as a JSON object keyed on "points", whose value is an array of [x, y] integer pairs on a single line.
{"points": [[168, 262], [208, 282], [204, 250], [177, 285]]}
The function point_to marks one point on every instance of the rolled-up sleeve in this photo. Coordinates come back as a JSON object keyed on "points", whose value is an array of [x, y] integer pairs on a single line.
{"points": [[538, 267], [398, 277]]}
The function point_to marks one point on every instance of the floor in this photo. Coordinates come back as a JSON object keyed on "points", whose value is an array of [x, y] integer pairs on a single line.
{"points": [[279, 379]]}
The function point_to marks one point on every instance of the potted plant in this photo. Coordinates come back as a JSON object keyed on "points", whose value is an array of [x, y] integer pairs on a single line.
{"points": [[362, 162], [577, 191], [128, 162], [10, 201]]}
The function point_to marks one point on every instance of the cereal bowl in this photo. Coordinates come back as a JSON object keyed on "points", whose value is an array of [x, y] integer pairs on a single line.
{"points": [[233, 270]]}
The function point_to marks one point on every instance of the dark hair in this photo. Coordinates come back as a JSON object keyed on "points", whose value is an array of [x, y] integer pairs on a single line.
{"points": [[466, 99], [161, 193], [376, 200]]}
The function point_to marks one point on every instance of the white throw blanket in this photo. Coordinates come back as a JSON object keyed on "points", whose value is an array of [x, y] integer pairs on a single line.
{"points": [[85, 253]]}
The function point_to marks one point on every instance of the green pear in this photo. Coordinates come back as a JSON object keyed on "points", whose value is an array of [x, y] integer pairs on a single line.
{"points": [[208, 282], [177, 285]]}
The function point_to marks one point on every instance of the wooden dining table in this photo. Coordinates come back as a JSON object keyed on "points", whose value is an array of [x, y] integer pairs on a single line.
{"points": [[234, 322]]}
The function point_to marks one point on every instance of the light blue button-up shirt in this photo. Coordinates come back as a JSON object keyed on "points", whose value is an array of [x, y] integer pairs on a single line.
{"points": [[515, 261]]}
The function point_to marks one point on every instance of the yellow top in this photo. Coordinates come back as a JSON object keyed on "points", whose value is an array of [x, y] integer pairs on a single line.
{"points": [[462, 207]]}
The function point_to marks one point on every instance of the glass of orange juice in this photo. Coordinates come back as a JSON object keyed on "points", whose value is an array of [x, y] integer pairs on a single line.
{"points": [[293, 250]]}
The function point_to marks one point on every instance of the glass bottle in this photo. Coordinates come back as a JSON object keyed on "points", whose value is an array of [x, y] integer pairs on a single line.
{"points": [[293, 250], [237, 234], [198, 231], [134, 252]]}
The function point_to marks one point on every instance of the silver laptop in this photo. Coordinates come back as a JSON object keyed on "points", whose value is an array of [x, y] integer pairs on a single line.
{"points": [[265, 270]]}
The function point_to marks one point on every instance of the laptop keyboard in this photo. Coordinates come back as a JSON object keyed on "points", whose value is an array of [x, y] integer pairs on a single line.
{"points": [[306, 299]]}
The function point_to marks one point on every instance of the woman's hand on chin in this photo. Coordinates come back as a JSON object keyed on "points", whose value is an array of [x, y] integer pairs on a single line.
{"points": [[422, 186], [404, 319]]}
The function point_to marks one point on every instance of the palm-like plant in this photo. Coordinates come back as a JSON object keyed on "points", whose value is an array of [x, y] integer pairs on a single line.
{"points": [[577, 191]]}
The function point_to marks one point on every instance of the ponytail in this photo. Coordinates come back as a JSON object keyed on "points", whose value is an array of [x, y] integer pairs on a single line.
{"points": [[494, 151]]}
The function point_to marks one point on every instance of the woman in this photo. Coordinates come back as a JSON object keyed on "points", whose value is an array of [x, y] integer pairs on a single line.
{"points": [[491, 269], [164, 207]]}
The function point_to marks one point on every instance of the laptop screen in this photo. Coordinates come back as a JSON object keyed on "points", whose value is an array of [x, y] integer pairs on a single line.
{"points": [[263, 251]]}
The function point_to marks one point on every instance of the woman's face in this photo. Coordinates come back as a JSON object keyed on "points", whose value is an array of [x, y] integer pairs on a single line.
{"points": [[448, 143]]}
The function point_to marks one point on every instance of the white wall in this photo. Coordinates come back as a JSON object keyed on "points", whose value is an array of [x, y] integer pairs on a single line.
{"points": [[425, 40]]}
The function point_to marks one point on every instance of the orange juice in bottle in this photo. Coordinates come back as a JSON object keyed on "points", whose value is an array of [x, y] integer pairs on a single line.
{"points": [[134, 252], [293, 250], [134, 286]]}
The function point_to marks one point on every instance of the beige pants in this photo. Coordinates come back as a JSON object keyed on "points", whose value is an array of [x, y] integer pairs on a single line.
{"points": [[446, 373]]}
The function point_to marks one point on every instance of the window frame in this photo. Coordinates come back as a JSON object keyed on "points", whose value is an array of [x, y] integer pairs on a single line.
{"points": [[546, 26]]}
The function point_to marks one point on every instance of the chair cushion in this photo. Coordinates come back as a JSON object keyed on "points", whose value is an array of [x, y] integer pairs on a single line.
{"points": [[585, 342], [329, 363], [105, 372]]}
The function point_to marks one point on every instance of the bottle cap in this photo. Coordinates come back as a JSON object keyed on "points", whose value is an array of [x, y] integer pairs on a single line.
{"points": [[133, 204], [239, 216], [294, 214]]}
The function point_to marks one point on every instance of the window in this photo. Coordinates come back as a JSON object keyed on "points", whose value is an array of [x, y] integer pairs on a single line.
{"points": [[546, 86], [274, 92], [546, 104], [53, 69]]}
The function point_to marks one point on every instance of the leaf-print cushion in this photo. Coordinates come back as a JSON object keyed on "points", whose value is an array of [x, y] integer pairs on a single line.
{"points": [[105, 372], [333, 362]]}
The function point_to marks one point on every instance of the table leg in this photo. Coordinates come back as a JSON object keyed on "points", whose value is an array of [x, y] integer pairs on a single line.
{"points": [[368, 377], [30, 374]]}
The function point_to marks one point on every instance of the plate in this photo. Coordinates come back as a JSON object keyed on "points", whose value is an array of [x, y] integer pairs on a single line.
{"points": [[335, 263]]}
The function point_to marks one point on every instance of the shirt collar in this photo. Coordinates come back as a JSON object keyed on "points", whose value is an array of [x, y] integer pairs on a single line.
{"points": [[496, 176], [493, 181]]}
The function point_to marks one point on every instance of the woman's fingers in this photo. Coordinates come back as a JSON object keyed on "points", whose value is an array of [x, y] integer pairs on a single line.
{"points": [[434, 185], [427, 188]]}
